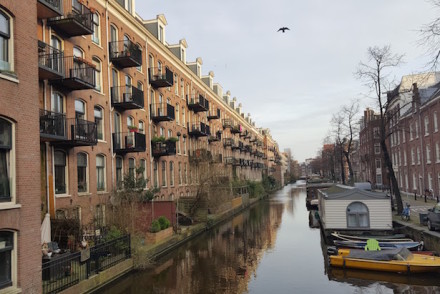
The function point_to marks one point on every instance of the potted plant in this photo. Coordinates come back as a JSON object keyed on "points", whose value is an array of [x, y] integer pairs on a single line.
{"points": [[160, 139], [172, 139], [133, 129]]}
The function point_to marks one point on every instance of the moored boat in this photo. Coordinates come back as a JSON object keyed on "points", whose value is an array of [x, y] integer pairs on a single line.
{"points": [[396, 260], [384, 238], [360, 244]]}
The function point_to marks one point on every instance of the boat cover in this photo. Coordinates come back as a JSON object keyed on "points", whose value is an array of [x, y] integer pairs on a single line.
{"points": [[385, 255]]}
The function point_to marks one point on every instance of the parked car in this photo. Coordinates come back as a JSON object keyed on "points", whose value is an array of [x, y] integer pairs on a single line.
{"points": [[434, 217]]}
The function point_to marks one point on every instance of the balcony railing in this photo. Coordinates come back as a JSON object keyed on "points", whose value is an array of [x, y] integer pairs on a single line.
{"points": [[235, 145], [228, 142], [127, 97], [243, 134], [237, 129], [197, 103], [49, 8], [167, 148], [125, 142], [79, 133], [76, 21], [52, 126], [214, 114], [198, 130], [160, 78], [216, 138], [50, 62], [227, 123], [162, 112], [125, 54], [79, 74]]}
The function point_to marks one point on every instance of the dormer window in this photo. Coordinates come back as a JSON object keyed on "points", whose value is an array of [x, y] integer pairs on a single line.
{"points": [[182, 54], [126, 4], [198, 70], [160, 35]]}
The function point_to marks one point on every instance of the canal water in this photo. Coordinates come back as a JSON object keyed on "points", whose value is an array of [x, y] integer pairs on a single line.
{"points": [[273, 247]]}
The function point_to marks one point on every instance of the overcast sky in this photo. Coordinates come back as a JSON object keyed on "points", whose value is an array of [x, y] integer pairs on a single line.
{"points": [[292, 83]]}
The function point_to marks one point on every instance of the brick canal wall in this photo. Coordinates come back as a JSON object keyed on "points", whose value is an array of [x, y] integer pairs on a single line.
{"points": [[431, 239]]}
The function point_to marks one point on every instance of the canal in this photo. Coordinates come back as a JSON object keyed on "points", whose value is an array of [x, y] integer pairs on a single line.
{"points": [[270, 248]]}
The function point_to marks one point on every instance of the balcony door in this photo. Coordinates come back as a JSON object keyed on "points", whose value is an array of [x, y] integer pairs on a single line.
{"points": [[127, 94], [56, 54], [117, 128]]}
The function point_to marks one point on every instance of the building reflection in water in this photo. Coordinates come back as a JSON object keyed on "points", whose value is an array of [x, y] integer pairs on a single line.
{"points": [[223, 260]]}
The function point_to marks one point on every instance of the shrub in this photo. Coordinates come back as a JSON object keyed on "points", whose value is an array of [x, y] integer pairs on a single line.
{"points": [[155, 226], [113, 233], [164, 222]]}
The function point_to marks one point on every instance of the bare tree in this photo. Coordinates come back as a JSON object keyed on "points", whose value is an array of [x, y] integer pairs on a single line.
{"points": [[351, 131], [337, 130], [375, 74], [430, 38]]}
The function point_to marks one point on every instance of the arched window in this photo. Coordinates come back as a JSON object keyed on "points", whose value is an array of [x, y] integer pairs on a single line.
{"points": [[60, 163], [127, 94], [177, 114], [57, 103], [82, 167], [7, 161], [171, 173], [80, 110], [119, 173], [113, 33], [357, 215], [95, 26], [98, 73], [141, 127], [6, 42], [99, 120], [100, 173], [143, 165], [132, 168], [139, 68], [130, 121]]}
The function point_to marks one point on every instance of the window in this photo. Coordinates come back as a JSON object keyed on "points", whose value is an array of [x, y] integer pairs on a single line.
{"points": [[100, 216], [178, 146], [80, 110], [357, 215], [378, 164], [437, 152], [160, 36], [177, 114], [184, 145], [141, 127], [182, 88], [95, 26], [127, 94], [98, 74], [164, 173], [132, 168], [414, 181], [411, 132], [139, 68], [100, 173], [171, 173], [376, 133], [156, 174], [417, 129], [119, 174], [60, 163], [57, 102], [143, 165], [430, 181], [5, 42], [435, 121], [180, 173], [6, 161], [426, 125], [99, 122], [81, 163], [428, 154], [377, 148], [8, 259], [170, 134], [418, 155], [185, 171], [176, 84], [130, 121], [413, 157], [113, 34], [162, 132]]}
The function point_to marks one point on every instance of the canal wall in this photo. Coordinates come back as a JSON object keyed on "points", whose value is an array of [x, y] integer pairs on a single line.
{"points": [[431, 239]]}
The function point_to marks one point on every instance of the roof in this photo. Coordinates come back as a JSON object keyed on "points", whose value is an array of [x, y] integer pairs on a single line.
{"points": [[341, 192]]}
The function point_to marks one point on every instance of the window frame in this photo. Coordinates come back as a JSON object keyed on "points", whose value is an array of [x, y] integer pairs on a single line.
{"points": [[10, 158], [65, 173], [84, 170], [357, 215], [8, 38], [13, 261], [96, 35], [103, 168]]}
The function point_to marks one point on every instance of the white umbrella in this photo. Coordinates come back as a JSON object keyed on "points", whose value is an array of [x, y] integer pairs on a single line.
{"points": [[45, 229]]}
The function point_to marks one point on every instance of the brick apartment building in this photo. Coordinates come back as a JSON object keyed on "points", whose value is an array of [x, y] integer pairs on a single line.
{"points": [[113, 95]]}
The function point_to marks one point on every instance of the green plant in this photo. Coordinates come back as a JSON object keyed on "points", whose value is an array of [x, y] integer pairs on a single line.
{"points": [[132, 128], [113, 233], [164, 222], [172, 139], [160, 139], [155, 226]]}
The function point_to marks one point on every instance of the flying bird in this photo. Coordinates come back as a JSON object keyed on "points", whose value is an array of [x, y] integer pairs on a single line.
{"points": [[283, 29]]}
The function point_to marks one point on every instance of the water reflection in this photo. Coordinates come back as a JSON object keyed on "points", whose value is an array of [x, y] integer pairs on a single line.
{"points": [[264, 250]]}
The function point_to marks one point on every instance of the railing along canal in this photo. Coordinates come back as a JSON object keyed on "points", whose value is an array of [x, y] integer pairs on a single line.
{"points": [[66, 270]]}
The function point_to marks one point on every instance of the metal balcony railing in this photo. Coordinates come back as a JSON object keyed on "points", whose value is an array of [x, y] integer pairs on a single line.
{"points": [[160, 77], [227, 123], [49, 8], [50, 62], [76, 21], [162, 112], [127, 97], [199, 130], [167, 148], [125, 54], [52, 125], [214, 114], [79, 132], [79, 74], [197, 103], [125, 142]]}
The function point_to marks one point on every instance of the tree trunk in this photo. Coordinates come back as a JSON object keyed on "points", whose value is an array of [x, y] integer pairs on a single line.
{"points": [[393, 179]]}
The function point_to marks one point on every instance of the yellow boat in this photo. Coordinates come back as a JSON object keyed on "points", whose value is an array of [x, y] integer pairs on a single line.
{"points": [[395, 260]]}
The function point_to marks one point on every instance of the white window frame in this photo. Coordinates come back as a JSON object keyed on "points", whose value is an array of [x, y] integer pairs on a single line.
{"points": [[9, 64], [11, 154]]}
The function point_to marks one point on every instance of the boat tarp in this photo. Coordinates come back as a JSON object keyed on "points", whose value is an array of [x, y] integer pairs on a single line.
{"points": [[385, 255]]}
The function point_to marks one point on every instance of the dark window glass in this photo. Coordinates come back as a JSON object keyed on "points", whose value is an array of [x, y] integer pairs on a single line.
{"points": [[6, 247]]}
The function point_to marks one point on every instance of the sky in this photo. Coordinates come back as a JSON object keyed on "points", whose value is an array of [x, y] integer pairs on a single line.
{"points": [[293, 83]]}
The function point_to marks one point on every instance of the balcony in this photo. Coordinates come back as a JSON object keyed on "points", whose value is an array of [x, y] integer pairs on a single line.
{"points": [[76, 21], [235, 145], [227, 123], [197, 103], [231, 161], [50, 62], [79, 75], [52, 126], [127, 97], [214, 114], [228, 142], [49, 8], [198, 130], [236, 129], [167, 148], [159, 79], [126, 142], [162, 112], [125, 54], [79, 132], [244, 134], [216, 138]]}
